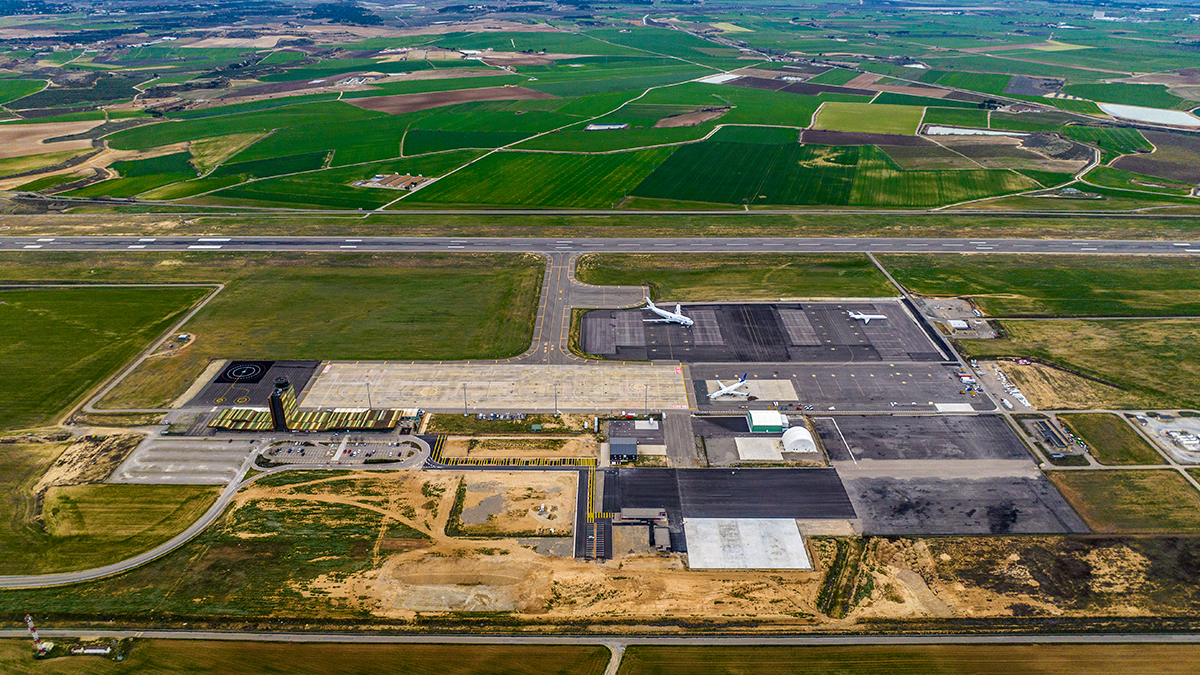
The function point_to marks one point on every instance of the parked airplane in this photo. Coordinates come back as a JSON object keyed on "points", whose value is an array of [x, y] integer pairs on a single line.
{"points": [[865, 318], [667, 316], [730, 390]]}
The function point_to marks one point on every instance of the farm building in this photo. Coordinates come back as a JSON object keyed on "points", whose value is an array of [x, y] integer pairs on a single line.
{"points": [[766, 421]]}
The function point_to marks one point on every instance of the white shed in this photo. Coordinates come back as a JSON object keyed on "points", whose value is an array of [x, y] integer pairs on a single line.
{"points": [[798, 439]]}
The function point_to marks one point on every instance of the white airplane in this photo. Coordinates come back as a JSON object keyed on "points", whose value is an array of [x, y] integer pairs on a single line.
{"points": [[668, 317], [865, 318], [730, 390]]}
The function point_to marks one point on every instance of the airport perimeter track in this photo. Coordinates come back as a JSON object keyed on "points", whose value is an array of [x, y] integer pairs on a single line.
{"points": [[270, 243]]}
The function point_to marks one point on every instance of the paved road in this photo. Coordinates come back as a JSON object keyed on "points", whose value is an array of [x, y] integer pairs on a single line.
{"points": [[621, 640], [665, 245]]}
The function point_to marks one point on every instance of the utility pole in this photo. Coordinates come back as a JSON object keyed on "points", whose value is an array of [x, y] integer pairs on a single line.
{"points": [[647, 392], [556, 399], [369, 393], [465, 413]]}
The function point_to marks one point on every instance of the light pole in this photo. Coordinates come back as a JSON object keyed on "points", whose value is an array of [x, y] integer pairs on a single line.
{"points": [[369, 392], [465, 413], [556, 399]]}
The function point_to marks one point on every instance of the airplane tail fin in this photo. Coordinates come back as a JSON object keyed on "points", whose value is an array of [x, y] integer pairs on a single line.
{"points": [[679, 309], [744, 376]]}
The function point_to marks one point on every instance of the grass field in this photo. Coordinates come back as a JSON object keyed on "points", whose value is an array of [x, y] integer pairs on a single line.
{"points": [[340, 306], [1112, 440], [246, 658], [760, 135], [1151, 364], [1147, 95], [891, 98], [756, 276], [957, 117], [538, 179], [984, 83], [1060, 285], [836, 77], [1115, 140], [14, 165], [978, 659], [83, 526], [869, 118], [140, 176], [58, 343], [1107, 176], [1131, 502]]}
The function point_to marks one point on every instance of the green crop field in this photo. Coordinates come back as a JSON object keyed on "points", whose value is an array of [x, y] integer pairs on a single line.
{"points": [[11, 90], [721, 276], [975, 659], [1148, 95], [56, 344], [869, 118], [256, 658], [83, 526], [957, 117], [1032, 122], [1111, 439], [366, 307], [1060, 285], [330, 188], [879, 181], [1131, 501], [1115, 140], [141, 175], [752, 106], [1144, 364], [984, 83], [759, 135], [541, 179], [813, 175], [891, 98]]}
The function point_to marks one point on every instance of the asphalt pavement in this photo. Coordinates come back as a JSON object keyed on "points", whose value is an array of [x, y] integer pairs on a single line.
{"points": [[664, 245]]}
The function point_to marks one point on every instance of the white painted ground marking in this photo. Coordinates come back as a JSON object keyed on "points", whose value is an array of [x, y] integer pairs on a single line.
{"points": [[213, 239], [136, 246], [34, 246], [203, 246]]}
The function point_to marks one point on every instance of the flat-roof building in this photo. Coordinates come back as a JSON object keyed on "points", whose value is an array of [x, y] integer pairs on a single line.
{"points": [[766, 421]]}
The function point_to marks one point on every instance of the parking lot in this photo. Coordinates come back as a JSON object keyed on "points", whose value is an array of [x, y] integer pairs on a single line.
{"points": [[762, 333], [185, 461], [851, 387]]}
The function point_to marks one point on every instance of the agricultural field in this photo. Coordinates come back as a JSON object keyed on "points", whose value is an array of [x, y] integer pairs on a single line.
{"points": [[910, 660], [1145, 95], [57, 344], [1107, 176], [956, 117], [1112, 140], [141, 176], [247, 658], [1131, 501], [869, 118], [764, 276], [1176, 157], [542, 179], [1111, 440], [1138, 364], [49, 523], [1061, 285]]}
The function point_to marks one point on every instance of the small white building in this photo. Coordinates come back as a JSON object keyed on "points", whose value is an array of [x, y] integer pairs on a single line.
{"points": [[799, 439], [766, 421]]}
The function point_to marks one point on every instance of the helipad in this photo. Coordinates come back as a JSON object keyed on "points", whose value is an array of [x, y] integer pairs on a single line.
{"points": [[468, 387]]}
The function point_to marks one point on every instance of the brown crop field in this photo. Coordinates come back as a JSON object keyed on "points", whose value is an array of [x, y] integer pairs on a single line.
{"points": [[1175, 157], [17, 140], [402, 103], [828, 137]]}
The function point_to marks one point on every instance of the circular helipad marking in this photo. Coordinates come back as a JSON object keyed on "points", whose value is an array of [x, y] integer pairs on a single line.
{"points": [[429, 391], [637, 387], [244, 371], [219, 400], [242, 400]]}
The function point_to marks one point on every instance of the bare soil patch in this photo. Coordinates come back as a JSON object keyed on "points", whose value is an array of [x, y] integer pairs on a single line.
{"points": [[519, 446], [88, 460], [691, 119], [17, 140], [403, 103], [524, 503]]}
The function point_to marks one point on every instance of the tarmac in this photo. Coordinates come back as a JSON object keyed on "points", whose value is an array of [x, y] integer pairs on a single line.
{"points": [[479, 387]]}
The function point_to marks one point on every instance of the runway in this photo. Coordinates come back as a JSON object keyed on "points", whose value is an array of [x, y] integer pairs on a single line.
{"points": [[593, 245]]}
